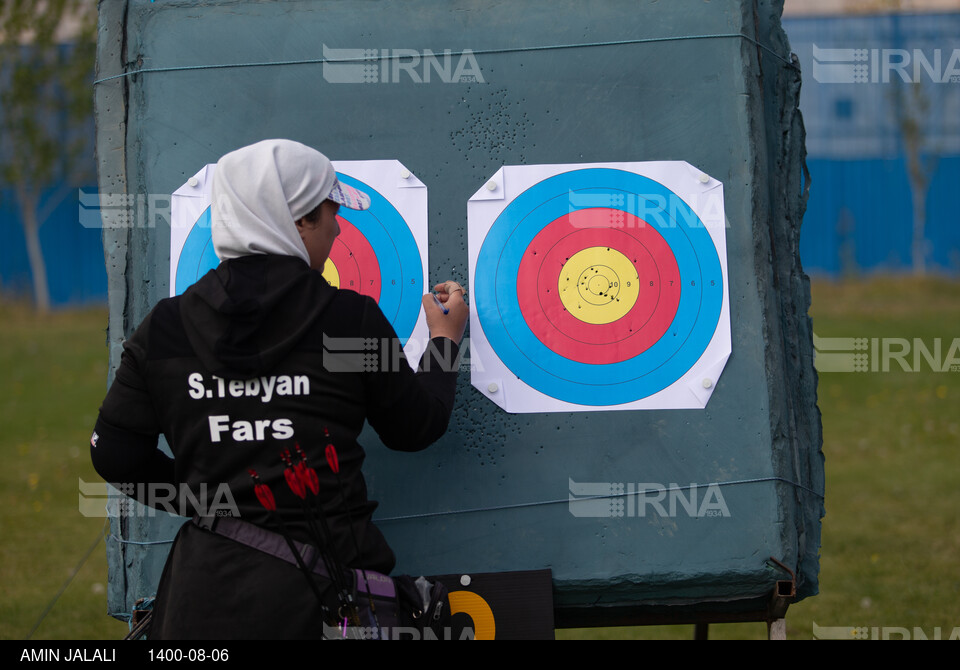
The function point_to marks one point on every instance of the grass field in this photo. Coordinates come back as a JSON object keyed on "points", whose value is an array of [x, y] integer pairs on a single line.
{"points": [[890, 540], [54, 377]]}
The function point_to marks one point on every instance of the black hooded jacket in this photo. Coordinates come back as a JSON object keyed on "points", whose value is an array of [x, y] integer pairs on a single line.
{"points": [[260, 356]]}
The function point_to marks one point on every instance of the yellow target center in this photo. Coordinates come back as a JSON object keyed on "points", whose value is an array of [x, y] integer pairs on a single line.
{"points": [[598, 285], [331, 274]]}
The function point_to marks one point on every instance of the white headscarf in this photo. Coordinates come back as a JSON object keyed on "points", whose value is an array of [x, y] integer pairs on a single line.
{"points": [[258, 194]]}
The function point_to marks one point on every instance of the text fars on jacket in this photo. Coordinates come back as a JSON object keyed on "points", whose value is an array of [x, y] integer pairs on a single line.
{"points": [[263, 388]]}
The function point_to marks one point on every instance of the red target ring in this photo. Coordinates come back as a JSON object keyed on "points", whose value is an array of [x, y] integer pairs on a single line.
{"points": [[350, 252], [646, 258]]}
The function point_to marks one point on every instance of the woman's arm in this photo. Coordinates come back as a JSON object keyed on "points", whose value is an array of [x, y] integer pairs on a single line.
{"points": [[411, 410], [123, 446]]}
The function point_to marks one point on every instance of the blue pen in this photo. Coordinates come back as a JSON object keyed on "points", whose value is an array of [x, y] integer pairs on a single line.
{"points": [[445, 309]]}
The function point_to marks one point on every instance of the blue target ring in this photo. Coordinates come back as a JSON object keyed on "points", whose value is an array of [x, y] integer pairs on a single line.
{"points": [[197, 256], [396, 250], [650, 371], [401, 267]]}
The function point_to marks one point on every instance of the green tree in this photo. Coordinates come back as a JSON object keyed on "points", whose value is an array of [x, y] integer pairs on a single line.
{"points": [[47, 52]]}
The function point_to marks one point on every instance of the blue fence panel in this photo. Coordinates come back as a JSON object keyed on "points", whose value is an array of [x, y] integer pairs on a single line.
{"points": [[73, 255], [861, 75]]}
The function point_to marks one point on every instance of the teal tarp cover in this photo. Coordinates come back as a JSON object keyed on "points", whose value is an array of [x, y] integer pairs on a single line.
{"points": [[181, 83]]}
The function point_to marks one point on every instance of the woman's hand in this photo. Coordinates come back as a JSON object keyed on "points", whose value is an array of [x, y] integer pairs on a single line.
{"points": [[452, 324]]}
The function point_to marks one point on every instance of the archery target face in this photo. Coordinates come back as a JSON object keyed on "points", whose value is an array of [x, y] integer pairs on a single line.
{"points": [[381, 252], [598, 287]]}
